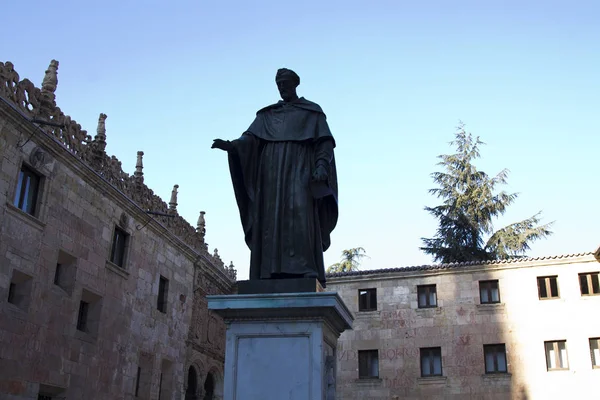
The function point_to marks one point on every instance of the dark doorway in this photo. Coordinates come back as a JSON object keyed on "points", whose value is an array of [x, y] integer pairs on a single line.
{"points": [[192, 387], [209, 387]]}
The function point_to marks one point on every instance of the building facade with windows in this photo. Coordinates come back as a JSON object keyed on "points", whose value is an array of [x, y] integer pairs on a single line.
{"points": [[520, 329], [102, 283]]}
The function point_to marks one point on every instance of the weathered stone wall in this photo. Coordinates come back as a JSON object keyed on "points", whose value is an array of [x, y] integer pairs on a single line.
{"points": [[79, 206], [460, 325]]}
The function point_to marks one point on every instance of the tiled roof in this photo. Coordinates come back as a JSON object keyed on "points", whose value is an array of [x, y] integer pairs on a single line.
{"points": [[455, 265]]}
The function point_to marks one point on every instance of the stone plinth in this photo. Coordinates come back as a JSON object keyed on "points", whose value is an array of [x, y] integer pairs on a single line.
{"points": [[281, 346]]}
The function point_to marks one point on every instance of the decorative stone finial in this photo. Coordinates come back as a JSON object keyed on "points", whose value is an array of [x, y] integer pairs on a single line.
{"points": [[216, 253], [139, 165], [100, 137], [51, 78], [173, 202]]}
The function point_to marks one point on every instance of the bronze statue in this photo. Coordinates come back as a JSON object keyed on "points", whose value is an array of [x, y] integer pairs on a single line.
{"points": [[285, 184]]}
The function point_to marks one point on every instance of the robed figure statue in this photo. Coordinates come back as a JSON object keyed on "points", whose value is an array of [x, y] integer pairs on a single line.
{"points": [[285, 183]]}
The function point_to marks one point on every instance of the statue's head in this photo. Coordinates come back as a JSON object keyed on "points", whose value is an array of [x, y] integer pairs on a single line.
{"points": [[287, 81]]}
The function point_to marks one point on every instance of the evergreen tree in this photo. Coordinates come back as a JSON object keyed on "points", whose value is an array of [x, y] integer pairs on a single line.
{"points": [[349, 262], [470, 203]]}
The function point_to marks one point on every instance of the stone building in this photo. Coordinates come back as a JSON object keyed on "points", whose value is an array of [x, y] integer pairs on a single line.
{"points": [[102, 283], [520, 329]]}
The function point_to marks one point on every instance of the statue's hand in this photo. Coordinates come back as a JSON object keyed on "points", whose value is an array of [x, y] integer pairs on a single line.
{"points": [[222, 145], [320, 174]]}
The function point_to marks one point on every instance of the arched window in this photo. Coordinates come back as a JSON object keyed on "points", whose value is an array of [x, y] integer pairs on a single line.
{"points": [[192, 387]]}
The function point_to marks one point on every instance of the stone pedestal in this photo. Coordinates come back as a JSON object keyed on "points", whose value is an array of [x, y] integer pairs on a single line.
{"points": [[281, 346]]}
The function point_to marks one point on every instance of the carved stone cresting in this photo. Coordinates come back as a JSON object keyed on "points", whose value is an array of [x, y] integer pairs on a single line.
{"points": [[38, 103]]}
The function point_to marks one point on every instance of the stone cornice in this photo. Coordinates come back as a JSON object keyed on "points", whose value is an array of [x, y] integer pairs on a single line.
{"points": [[459, 268]]}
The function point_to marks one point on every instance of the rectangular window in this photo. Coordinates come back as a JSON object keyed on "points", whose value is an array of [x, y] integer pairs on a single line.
{"points": [[589, 283], [431, 361], [26, 195], [368, 364], [19, 290], [595, 352], [548, 287], [367, 300], [119, 244], [427, 296], [163, 290], [495, 358], [82, 316], [556, 355], [489, 292]]}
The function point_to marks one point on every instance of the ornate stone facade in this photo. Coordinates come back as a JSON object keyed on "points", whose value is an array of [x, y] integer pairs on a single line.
{"points": [[102, 283]]}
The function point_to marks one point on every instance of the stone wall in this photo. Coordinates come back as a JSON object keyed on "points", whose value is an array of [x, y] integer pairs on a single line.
{"points": [[83, 199], [460, 325]]}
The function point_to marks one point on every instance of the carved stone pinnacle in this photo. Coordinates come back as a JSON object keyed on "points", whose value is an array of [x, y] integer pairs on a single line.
{"points": [[173, 202], [100, 137], [139, 165]]}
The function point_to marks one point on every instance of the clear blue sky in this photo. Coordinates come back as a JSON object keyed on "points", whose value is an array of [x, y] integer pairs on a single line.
{"points": [[394, 78]]}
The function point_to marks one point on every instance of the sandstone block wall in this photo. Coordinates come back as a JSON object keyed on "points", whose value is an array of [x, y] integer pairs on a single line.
{"points": [[460, 325], [41, 349]]}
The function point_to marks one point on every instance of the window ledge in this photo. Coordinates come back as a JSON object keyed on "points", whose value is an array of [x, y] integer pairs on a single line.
{"points": [[432, 380], [60, 290], [84, 336], [367, 314], [25, 217], [490, 307], [16, 311], [590, 296], [501, 376], [368, 381], [117, 270], [429, 310]]}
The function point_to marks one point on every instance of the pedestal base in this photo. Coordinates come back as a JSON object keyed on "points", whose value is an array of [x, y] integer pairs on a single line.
{"points": [[281, 346]]}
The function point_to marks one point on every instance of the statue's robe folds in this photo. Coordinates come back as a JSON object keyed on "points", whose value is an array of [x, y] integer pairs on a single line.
{"points": [[287, 218]]}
